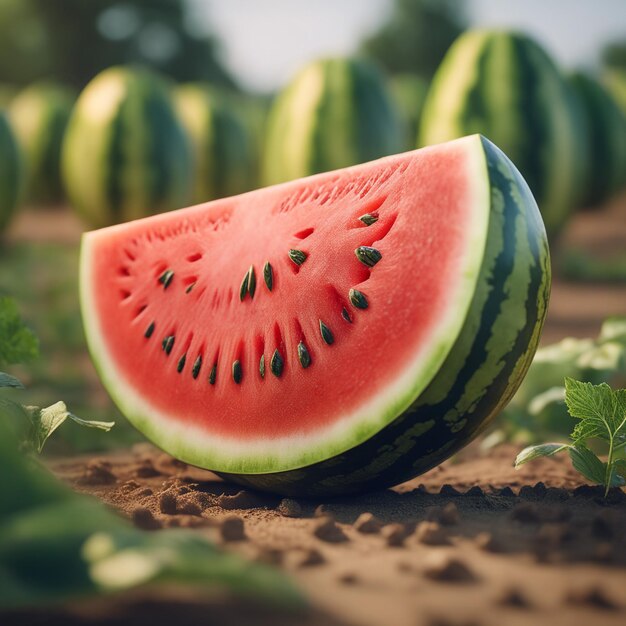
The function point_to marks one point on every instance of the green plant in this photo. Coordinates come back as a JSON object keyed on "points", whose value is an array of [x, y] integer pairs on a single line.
{"points": [[19, 344], [601, 412], [538, 410], [57, 545]]}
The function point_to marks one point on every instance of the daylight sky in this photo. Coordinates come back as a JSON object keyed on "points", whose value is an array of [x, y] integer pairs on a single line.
{"points": [[265, 41]]}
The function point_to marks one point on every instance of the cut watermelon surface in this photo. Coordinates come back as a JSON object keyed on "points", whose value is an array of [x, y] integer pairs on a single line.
{"points": [[336, 333]]}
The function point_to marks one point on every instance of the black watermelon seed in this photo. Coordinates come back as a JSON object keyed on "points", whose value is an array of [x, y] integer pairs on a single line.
{"points": [[168, 343], [195, 370], [297, 256], [326, 333], [251, 281], [181, 363], [243, 290], [303, 355], [149, 331], [188, 290], [346, 315], [369, 218], [213, 374], [268, 275], [368, 256], [358, 299], [237, 371], [166, 278], [277, 364]]}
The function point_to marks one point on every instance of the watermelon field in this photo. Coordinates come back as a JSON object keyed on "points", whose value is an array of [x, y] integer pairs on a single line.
{"points": [[312, 334]]}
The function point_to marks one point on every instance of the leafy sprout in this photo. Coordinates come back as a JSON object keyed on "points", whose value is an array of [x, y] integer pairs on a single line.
{"points": [[17, 345], [601, 412]]}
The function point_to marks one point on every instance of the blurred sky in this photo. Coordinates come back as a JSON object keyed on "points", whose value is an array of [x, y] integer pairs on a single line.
{"points": [[265, 41]]}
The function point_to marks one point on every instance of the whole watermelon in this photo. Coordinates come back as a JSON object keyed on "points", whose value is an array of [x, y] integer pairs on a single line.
{"points": [[605, 126], [39, 116], [222, 149], [504, 85], [335, 113], [125, 153], [10, 173], [409, 92]]}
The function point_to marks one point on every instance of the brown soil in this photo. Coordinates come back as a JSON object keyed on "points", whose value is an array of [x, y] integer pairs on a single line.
{"points": [[471, 542]]}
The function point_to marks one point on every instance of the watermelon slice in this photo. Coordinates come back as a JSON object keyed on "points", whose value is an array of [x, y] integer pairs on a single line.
{"points": [[333, 334]]}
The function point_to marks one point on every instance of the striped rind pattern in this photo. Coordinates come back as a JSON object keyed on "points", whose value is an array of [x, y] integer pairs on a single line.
{"points": [[481, 373], [504, 86], [223, 151], [125, 154], [335, 113], [604, 125], [39, 117], [11, 173]]}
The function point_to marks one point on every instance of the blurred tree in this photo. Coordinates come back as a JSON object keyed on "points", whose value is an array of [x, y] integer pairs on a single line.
{"points": [[72, 40], [614, 55], [417, 35]]}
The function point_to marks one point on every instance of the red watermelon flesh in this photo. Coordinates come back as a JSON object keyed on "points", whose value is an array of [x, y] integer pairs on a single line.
{"points": [[201, 395]]}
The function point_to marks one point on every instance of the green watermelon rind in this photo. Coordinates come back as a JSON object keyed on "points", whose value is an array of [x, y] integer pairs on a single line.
{"points": [[291, 453]]}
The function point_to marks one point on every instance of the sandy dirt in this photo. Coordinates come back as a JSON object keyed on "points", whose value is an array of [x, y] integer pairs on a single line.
{"points": [[471, 542]]}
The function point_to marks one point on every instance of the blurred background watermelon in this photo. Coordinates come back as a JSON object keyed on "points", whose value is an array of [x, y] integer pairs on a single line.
{"points": [[121, 108]]}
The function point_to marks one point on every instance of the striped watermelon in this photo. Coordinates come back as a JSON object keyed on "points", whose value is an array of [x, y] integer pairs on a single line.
{"points": [[39, 116], [605, 127], [330, 335], [11, 174], [504, 85], [335, 113], [125, 153], [223, 151]]}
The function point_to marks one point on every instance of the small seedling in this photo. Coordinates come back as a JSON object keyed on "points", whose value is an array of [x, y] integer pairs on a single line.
{"points": [[18, 344], [601, 412]]}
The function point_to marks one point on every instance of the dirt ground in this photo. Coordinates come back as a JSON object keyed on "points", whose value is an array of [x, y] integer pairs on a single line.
{"points": [[471, 543]]}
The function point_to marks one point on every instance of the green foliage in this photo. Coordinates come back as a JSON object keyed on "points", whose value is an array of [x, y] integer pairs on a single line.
{"points": [[57, 545], [538, 409], [49, 304], [17, 344], [72, 40], [601, 412], [417, 35]]}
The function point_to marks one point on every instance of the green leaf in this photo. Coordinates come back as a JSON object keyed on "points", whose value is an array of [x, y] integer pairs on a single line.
{"points": [[17, 343], [124, 560], [6, 380], [106, 426], [601, 410], [57, 545], [45, 421], [587, 463], [535, 452], [620, 468]]}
